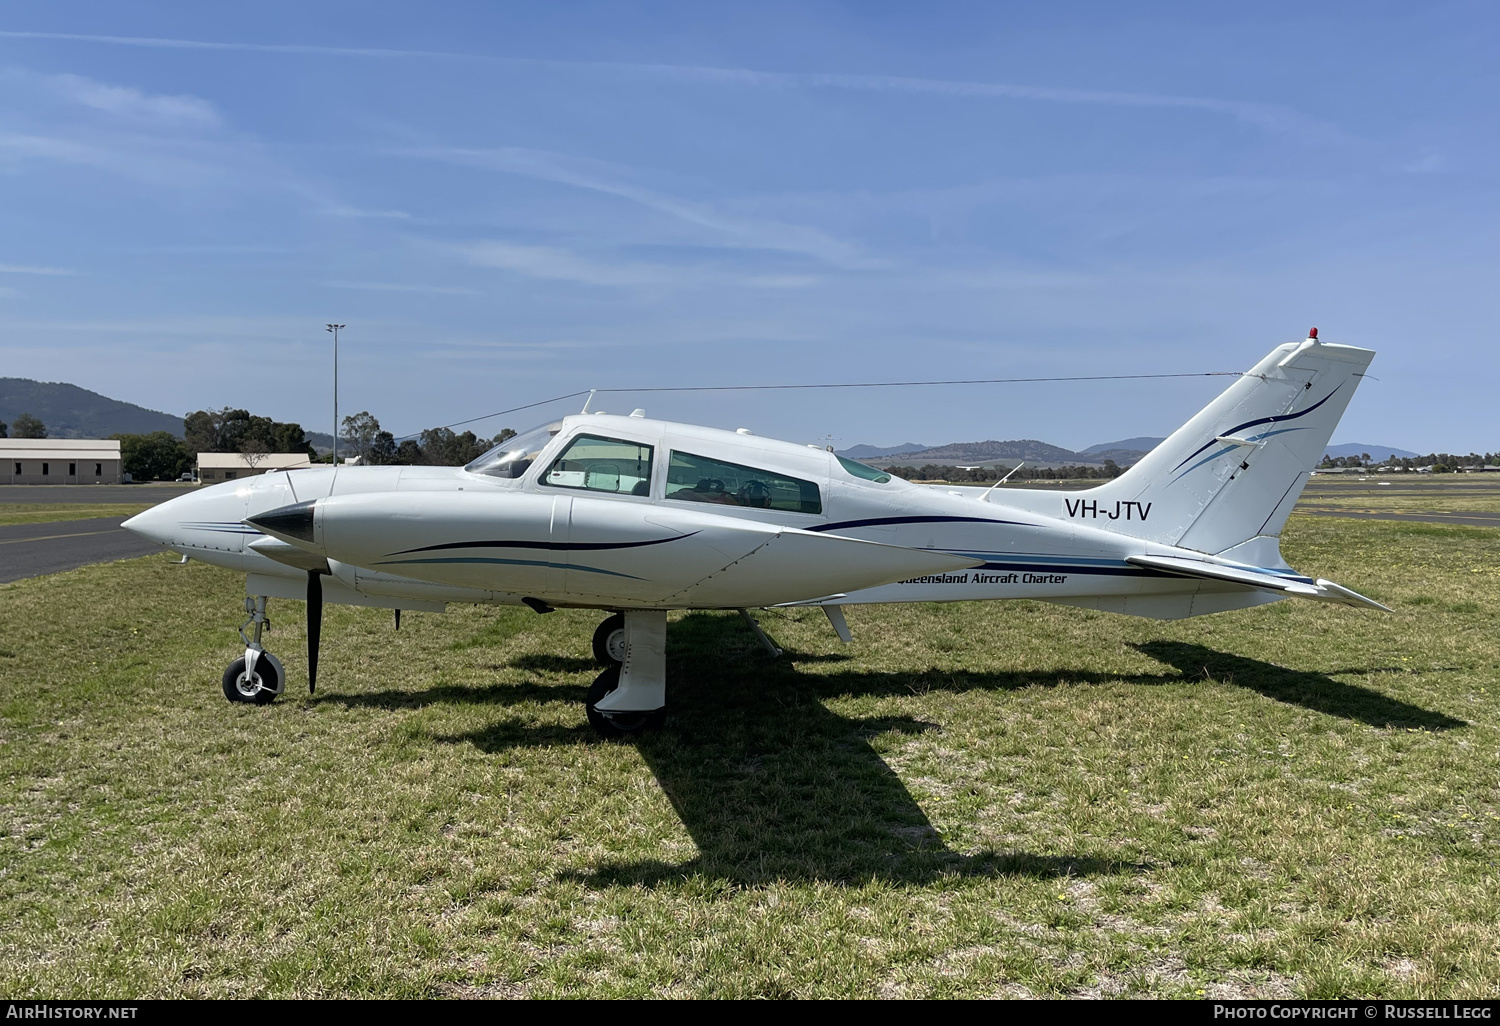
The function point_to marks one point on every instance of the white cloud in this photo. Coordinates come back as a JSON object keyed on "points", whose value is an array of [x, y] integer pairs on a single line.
{"points": [[743, 232], [129, 103], [378, 286], [555, 263], [1269, 117], [563, 265], [1426, 165], [341, 211], [30, 269]]}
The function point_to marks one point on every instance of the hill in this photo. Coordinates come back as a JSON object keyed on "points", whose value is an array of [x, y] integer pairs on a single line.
{"points": [[1378, 453], [1141, 445], [72, 412], [979, 452], [870, 452]]}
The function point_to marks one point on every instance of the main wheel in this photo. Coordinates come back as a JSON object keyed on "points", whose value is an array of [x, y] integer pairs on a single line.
{"points": [[259, 688], [609, 640], [617, 724]]}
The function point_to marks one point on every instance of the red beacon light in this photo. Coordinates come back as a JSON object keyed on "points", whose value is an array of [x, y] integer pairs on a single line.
{"points": [[1312, 333]]}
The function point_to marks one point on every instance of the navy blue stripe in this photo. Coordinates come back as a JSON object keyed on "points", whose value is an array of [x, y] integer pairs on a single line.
{"points": [[555, 546], [1072, 568], [507, 562], [1263, 420], [890, 521]]}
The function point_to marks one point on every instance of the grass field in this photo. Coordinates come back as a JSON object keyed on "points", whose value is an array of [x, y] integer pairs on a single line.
{"points": [[971, 800], [1444, 493], [47, 512]]}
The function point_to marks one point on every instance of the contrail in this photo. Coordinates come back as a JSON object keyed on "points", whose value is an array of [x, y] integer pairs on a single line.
{"points": [[1266, 116]]}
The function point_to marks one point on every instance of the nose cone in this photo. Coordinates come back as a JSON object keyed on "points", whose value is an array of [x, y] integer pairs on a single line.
{"points": [[153, 524], [292, 524]]}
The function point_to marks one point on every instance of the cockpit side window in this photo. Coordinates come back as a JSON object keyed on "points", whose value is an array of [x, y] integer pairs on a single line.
{"points": [[700, 479], [598, 464], [864, 471]]}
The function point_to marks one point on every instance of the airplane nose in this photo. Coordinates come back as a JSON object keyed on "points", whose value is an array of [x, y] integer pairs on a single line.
{"points": [[152, 524], [292, 523]]}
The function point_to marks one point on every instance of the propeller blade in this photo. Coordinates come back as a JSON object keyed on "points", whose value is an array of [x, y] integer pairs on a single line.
{"points": [[314, 627]]}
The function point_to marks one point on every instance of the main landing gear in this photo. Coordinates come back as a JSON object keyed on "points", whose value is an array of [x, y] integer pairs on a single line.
{"points": [[630, 696], [256, 677]]}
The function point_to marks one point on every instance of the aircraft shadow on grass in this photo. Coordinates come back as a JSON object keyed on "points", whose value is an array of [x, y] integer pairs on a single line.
{"points": [[772, 785]]}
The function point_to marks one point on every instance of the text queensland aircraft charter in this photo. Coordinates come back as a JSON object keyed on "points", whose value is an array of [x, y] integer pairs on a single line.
{"points": [[640, 516]]}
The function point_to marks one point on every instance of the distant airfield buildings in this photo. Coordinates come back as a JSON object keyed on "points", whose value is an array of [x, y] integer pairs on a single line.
{"points": [[59, 461], [230, 466]]}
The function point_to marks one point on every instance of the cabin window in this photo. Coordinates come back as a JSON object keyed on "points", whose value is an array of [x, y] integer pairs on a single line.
{"points": [[598, 464], [864, 471], [700, 479]]}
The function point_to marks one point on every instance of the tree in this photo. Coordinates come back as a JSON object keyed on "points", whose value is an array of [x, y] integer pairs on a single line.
{"points": [[212, 430], [358, 434], [230, 430], [3, 430], [442, 448], [382, 450], [158, 456], [291, 438], [253, 451], [27, 426], [409, 452]]}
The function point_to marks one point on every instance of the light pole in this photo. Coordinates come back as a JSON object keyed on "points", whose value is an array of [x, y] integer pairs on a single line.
{"points": [[335, 329]]}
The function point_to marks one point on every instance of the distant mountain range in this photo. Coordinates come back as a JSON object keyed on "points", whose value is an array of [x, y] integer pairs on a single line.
{"points": [[1143, 443], [1378, 453], [72, 412], [1124, 452], [1029, 450], [69, 411], [871, 452]]}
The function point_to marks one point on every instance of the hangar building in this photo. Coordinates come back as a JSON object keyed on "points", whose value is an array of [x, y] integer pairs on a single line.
{"points": [[59, 461], [228, 466]]}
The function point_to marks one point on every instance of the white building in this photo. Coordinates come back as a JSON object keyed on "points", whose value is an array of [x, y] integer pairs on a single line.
{"points": [[59, 461], [229, 466]]}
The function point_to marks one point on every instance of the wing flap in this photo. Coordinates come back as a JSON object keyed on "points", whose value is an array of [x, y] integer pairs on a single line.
{"points": [[1319, 591]]}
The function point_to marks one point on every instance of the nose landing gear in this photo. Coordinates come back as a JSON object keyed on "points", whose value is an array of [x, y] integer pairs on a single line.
{"points": [[257, 677]]}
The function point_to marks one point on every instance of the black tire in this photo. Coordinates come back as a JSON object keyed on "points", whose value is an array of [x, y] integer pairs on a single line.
{"points": [[618, 724], [238, 690], [603, 641]]}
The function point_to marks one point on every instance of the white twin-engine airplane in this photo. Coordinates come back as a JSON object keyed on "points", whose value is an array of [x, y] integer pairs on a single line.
{"points": [[640, 516]]}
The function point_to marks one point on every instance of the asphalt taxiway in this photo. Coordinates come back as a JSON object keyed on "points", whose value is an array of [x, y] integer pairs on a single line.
{"points": [[31, 550]]}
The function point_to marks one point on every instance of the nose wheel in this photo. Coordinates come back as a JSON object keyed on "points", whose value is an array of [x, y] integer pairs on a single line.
{"points": [[256, 677], [258, 686]]}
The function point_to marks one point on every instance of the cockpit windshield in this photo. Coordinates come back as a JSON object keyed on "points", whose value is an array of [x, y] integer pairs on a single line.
{"points": [[511, 457]]}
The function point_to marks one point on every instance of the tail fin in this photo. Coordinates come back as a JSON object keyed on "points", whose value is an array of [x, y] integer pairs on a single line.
{"points": [[1228, 478]]}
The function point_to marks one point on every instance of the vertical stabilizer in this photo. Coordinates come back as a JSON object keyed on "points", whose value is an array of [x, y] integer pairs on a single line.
{"points": [[1228, 478]]}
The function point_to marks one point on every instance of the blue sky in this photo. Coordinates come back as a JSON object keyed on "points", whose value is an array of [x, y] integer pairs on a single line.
{"points": [[506, 202]]}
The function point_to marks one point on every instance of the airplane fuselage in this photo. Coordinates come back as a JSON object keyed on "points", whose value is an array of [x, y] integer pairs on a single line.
{"points": [[416, 536]]}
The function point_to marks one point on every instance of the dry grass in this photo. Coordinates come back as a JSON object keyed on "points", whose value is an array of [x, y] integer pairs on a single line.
{"points": [[990, 799], [47, 512]]}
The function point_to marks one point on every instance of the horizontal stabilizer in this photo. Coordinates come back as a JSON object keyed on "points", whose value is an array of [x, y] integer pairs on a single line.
{"points": [[1319, 591]]}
